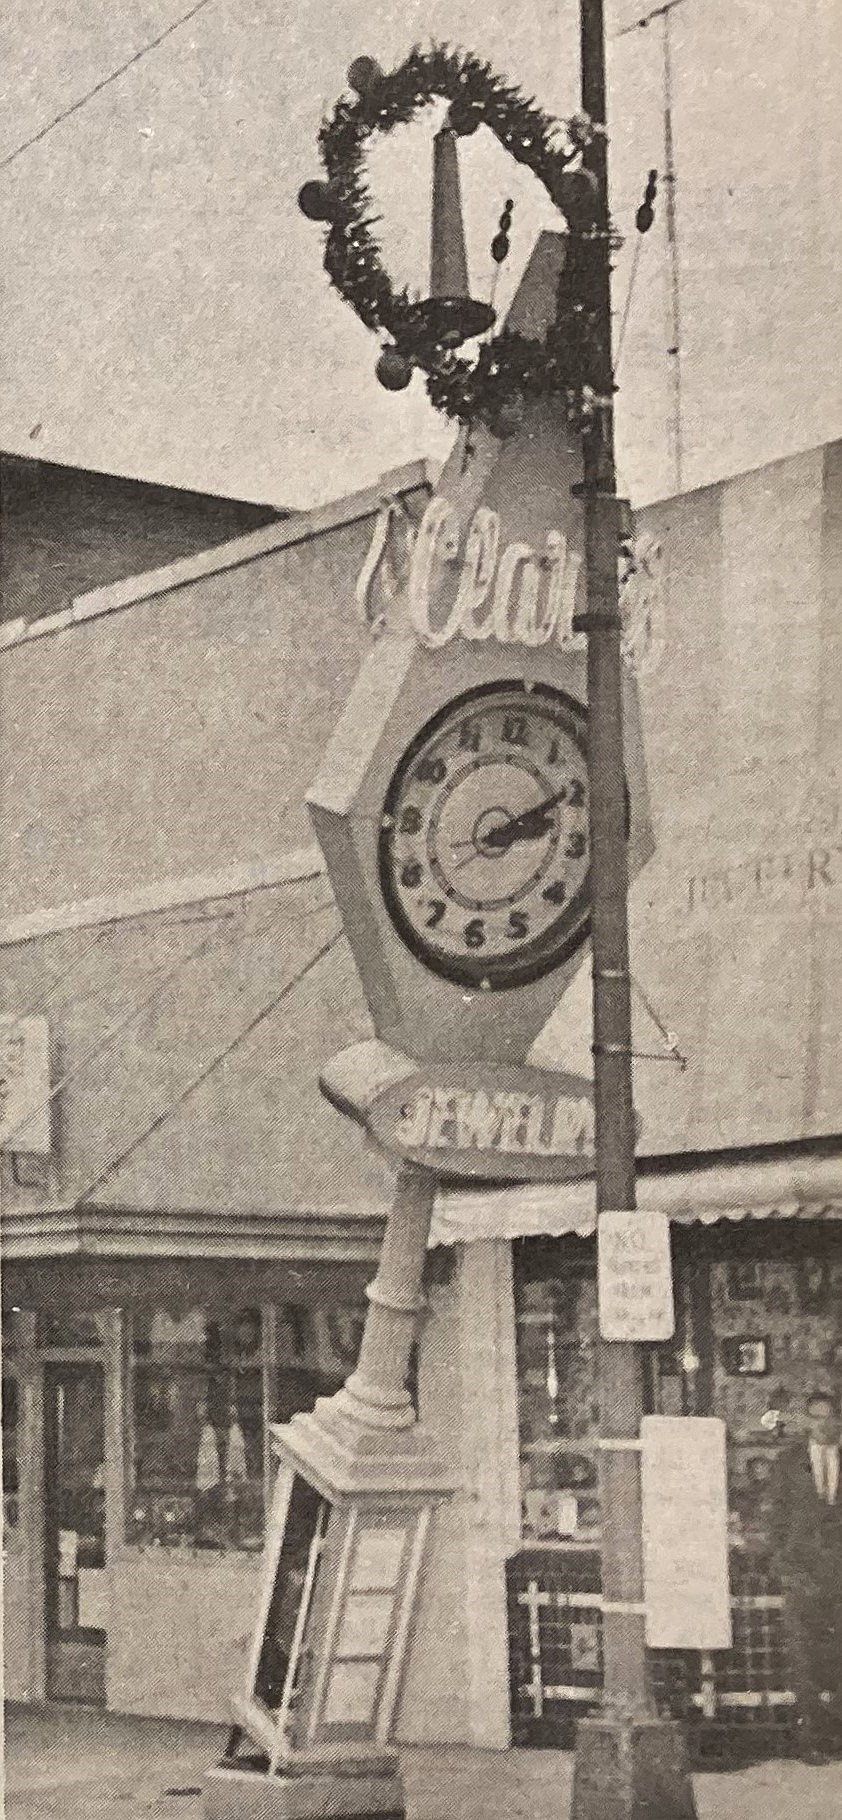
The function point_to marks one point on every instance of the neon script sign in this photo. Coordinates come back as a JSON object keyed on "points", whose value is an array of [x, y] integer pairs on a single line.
{"points": [[511, 594]]}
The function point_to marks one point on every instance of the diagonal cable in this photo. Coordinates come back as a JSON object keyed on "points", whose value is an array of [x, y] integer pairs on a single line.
{"points": [[132, 1016], [98, 87], [39, 1005], [162, 1118]]}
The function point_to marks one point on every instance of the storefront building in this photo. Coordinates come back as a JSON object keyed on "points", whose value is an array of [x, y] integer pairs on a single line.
{"points": [[190, 1260], [736, 940]]}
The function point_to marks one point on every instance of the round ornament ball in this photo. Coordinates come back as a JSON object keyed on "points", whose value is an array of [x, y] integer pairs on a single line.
{"points": [[463, 118], [363, 74], [393, 370], [315, 201], [500, 248]]}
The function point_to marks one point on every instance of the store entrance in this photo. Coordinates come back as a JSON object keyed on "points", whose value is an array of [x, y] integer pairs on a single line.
{"points": [[74, 1531]]}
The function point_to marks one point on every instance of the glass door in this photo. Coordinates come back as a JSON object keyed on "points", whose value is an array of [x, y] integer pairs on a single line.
{"points": [[75, 1581]]}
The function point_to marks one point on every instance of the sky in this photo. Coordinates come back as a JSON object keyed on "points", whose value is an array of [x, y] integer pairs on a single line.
{"points": [[165, 313]]}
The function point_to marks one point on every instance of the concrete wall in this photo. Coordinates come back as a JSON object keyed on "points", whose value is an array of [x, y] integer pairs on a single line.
{"points": [[65, 530]]}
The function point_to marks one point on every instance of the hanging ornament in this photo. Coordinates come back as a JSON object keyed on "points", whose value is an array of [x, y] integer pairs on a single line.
{"points": [[393, 370], [364, 74], [500, 243], [316, 201], [646, 213]]}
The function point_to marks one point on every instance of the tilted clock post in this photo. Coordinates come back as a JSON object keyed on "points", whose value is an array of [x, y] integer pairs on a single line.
{"points": [[452, 809]]}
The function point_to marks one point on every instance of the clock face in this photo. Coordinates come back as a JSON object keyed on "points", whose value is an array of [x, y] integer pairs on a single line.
{"points": [[484, 837]]}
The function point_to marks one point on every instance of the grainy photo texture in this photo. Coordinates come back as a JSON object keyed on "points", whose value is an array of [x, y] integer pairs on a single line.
{"points": [[421, 910]]}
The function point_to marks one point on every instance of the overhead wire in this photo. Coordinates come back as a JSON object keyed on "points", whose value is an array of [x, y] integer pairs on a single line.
{"points": [[37, 1006], [137, 1011], [204, 1073], [105, 82]]}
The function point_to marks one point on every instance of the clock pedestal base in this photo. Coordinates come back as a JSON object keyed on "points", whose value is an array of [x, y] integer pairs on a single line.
{"points": [[357, 1485], [234, 1793]]}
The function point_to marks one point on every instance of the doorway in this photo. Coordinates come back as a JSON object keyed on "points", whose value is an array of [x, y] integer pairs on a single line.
{"points": [[75, 1581]]}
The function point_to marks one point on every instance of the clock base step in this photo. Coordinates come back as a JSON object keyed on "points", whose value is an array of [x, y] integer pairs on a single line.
{"points": [[234, 1793]]}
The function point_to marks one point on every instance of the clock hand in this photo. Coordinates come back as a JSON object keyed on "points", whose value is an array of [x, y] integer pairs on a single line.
{"points": [[529, 825]]}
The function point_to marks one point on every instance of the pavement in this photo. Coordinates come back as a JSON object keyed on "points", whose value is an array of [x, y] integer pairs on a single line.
{"points": [[77, 1763]]}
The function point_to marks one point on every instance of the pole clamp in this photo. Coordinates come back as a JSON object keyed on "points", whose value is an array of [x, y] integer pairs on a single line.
{"points": [[611, 1049], [620, 1443], [611, 973]]}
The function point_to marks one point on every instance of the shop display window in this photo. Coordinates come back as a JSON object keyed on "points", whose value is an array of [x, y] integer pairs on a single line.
{"points": [[776, 1335], [557, 1333], [316, 1349], [11, 1399], [197, 1430], [69, 1332]]}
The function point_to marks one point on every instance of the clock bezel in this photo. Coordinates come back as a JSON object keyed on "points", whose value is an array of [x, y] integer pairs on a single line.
{"points": [[565, 934]]}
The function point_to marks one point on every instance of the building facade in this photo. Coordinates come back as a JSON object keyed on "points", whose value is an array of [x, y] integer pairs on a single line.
{"points": [[189, 1258]]}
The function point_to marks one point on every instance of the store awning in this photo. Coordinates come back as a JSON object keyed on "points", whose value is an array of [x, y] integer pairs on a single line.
{"points": [[803, 1188]]}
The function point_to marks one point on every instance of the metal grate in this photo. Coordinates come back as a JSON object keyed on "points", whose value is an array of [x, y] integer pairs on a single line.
{"points": [[736, 1702]]}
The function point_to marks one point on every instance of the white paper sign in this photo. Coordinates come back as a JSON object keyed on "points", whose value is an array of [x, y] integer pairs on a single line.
{"points": [[94, 1598], [685, 1532], [634, 1276], [25, 1085]]}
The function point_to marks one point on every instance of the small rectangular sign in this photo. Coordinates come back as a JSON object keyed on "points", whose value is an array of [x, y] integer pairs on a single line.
{"points": [[25, 1085], [685, 1532], [634, 1276]]}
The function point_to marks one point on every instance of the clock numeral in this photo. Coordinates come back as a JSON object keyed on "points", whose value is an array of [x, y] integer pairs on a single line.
{"points": [[412, 874], [410, 822], [556, 893], [554, 753], [470, 735], [431, 771], [577, 793], [577, 845], [515, 730], [475, 933], [518, 925], [437, 910]]}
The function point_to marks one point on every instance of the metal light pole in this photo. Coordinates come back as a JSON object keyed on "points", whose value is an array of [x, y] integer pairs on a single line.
{"points": [[630, 1765]]}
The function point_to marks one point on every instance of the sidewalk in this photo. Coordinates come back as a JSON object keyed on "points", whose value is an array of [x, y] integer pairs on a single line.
{"points": [[74, 1763]]}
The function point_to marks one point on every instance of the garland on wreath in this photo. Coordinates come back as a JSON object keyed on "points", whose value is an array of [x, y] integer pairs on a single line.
{"points": [[509, 369]]}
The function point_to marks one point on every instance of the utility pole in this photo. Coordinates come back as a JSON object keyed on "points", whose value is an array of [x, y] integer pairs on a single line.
{"points": [[630, 1764], [674, 345]]}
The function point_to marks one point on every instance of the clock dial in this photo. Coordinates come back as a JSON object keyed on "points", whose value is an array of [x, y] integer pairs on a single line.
{"points": [[484, 850]]}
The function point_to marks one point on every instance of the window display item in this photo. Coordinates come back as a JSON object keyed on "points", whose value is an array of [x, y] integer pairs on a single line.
{"points": [[207, 1463], [746, 1356]]}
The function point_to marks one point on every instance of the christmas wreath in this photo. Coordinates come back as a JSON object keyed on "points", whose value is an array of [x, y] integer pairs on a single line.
{"points": [[508, 369]]}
